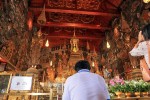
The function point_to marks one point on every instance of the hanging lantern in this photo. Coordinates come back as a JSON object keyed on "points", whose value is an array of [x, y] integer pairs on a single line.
{"points": [[93, 64], [30, 20], [116, 33], [39, 33], [103, 60], [94, 52], [42, 17], [108, 45], [50, 63], [87, 46], [146, 1], [30, 23], [107, 39], [47, 43]]}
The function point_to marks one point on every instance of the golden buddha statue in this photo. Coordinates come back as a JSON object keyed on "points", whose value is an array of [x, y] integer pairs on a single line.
{"points": [[74, 43]]}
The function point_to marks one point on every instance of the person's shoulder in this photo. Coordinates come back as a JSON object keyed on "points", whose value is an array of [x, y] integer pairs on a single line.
{"points": [[100, 78], [71, 77], [143, 43], [97, 75]]}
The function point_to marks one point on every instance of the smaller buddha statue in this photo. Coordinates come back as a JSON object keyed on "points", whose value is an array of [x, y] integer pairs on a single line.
{"points": [[51, 74]]}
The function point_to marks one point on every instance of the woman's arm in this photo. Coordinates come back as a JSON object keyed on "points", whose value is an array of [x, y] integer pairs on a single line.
{"points": [[137, 44], [138, 49]]}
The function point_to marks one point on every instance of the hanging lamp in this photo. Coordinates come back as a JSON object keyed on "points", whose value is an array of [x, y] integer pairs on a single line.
{"points": [[108, 45], [47, 43], [146, 1], [42, 17], [39, 33]]}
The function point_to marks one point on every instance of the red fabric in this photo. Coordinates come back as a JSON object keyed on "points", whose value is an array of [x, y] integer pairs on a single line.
{"points": [[2, 60]]}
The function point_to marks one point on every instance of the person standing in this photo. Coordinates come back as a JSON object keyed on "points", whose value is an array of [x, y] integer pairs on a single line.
{"points": [[142, 47], [85, 85]]}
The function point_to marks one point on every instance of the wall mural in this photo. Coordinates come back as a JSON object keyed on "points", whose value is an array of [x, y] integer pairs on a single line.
{"points": [[15, 38]]}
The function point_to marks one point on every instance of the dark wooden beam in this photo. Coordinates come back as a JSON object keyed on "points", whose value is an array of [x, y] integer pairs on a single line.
{"points": [[76, 25], [75, 12], [111, 4], [79, 37]]}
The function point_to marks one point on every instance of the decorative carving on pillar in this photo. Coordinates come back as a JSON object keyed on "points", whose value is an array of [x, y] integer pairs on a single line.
{"points": [[15, 35], [8, 50]]}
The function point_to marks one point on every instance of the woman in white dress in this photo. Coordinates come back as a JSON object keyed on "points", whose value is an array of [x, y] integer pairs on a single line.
{"points": [[142, 47]]}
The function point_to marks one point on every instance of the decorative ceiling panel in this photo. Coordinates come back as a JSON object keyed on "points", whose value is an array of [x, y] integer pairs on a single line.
{"points": [[75, 4], [71, 18]]}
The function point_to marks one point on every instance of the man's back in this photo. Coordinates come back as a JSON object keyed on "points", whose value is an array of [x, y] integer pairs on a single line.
{"points": [[85, 86]]}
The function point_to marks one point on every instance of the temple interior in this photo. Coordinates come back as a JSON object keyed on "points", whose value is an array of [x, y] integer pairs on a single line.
{"points": [[41, 40]]}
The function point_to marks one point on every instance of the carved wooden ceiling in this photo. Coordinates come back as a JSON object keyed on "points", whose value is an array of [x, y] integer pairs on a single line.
{"points": [[89, 18]]}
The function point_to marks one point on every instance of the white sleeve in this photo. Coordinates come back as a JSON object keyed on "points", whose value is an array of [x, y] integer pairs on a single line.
{"points": [[139, 51], [106, 91], [66, 95], [105, 88]]}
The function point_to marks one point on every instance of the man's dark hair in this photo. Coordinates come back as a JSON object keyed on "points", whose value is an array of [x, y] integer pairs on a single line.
{"points": [[82, 64]]}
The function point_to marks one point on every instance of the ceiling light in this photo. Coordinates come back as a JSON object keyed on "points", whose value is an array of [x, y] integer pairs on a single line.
{"points": [[39, 33], [108, 45], [93, 64], [50, 63], [146, 1], [47, 43]]}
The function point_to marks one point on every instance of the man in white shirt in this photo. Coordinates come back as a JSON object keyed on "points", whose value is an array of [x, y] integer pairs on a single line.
{"points": [[85, 85]]}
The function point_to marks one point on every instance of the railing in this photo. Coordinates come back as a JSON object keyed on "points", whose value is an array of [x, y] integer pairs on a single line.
{"points": [[50, 95], [132, 98]]}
